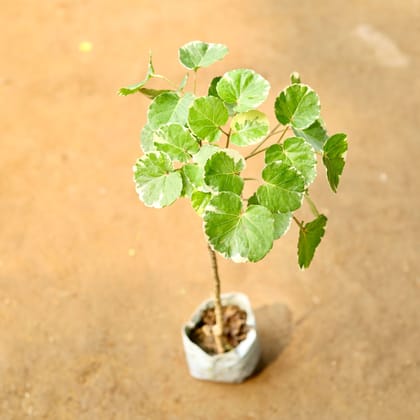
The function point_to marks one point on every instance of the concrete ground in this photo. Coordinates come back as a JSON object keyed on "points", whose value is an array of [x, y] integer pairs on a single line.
{"points": [[94, 287]]}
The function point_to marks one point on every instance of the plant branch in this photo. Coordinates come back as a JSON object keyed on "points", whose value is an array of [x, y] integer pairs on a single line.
{"points": [[256, 153], [224, 132], [311, 205], [228, 139], [195, 81], [282, 134], [270, 134], [159, 76], [218, 328], [300, 224]]}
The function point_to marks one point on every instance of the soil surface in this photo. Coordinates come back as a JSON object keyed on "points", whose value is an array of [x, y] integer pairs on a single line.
{"points": [[94, 286], [234, 329]]}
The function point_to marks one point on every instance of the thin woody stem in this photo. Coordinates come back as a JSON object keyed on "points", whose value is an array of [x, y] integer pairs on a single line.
{"points": [[271, 133], [218, 328]]}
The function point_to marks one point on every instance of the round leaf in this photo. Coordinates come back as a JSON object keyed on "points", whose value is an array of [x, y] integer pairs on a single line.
{"points": [[176, 141], [283, 191], [282, 223], [240, 236], [167, 108], [199, 201], [192, 178], [196, 54], [206, 116], [156, 183], [297, 153], [146, 139], [315, 135], [222, 173], [249, 128], [243, 88], [297, 105]]}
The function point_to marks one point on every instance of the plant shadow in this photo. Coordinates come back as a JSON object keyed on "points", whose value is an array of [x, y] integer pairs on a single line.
{"points": [[274, 326]]}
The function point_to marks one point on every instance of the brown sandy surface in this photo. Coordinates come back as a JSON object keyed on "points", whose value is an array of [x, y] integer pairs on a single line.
{"points": [[94, 287]]}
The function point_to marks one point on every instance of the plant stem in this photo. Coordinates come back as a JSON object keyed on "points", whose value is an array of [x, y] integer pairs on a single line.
{"points": [[300, 224], [271, 133], [218, 328], [195, 81], [282, 135], [159, 76], [228, 139], [256, 153], [311, 205]]}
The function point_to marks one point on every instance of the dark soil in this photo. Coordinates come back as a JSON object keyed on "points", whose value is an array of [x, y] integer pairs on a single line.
{"points": [[234, 329]]}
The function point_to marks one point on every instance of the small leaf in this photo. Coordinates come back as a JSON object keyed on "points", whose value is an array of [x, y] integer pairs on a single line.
{"points": [[222, 173], [197, 54], [295, 77], [335, 149], [297, 153], [176, 141], [212, 88], [168, 108], [310, 236], [297, 105], [146, 139], [152, 93], [249, 128], [283, 191], [192, 178], [129, 90], [206, 116], [240, 236], [156, 182], [315, 135], [243, 88], [199, 201]]}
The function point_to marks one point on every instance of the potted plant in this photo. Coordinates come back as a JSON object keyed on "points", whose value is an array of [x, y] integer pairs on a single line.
{"points": [[187, 144]]}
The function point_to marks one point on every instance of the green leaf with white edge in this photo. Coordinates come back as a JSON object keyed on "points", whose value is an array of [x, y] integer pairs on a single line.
{"points": [[200, 200], [283, 191], [222, 173], [146, 139], [310, 236], [168, 108], [157, 184], [249, 128], [192, 178], [297, 153], [129, 90], [243, 88], [335, 149], [282, 221], [206, 115], [197, 54], [176, 141], [236, 234], [315, 134], [204, 154], [297, 105]]}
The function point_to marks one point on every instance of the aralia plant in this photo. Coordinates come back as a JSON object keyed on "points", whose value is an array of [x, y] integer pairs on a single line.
{"points": [[187, 153]]}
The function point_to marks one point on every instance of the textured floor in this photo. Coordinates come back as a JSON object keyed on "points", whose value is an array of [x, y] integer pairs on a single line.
{"points": [[94, 287]]}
